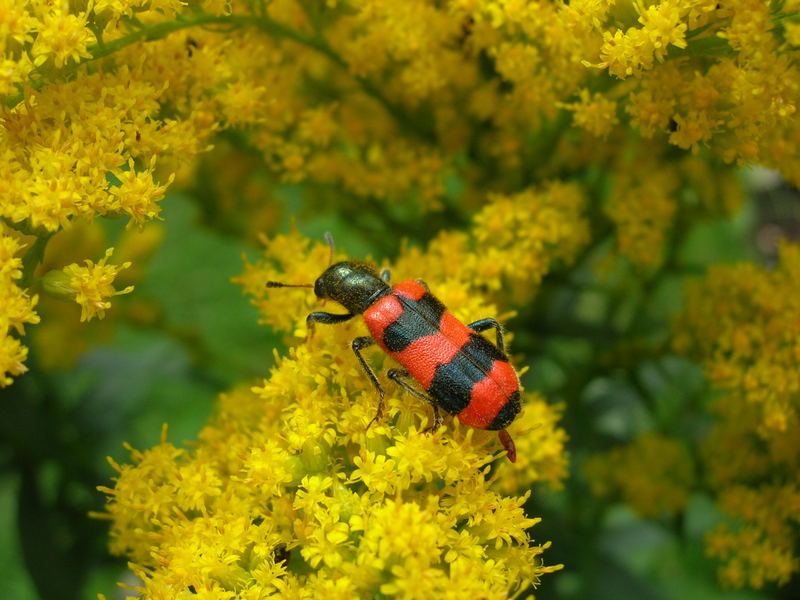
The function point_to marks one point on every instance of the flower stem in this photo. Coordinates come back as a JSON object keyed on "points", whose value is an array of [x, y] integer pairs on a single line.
{"points": [[265, 24], [33, 257]]}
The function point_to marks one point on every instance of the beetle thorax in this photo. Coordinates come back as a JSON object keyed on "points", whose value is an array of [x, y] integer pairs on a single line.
{"points": [[353, 285]]}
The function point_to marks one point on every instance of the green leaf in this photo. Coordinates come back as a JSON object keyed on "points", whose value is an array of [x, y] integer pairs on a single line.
{"points": [[190, 278], [14, 580]]}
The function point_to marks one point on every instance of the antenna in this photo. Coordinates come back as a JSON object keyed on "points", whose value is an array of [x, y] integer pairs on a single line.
{"points": [[277, 284], [329, 239]]}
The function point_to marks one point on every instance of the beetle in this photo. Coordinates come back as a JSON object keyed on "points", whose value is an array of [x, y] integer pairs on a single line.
{"points": [[459, 369]]}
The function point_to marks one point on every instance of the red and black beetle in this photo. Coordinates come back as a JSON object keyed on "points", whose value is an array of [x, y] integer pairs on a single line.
{"points": [[460, 370]]}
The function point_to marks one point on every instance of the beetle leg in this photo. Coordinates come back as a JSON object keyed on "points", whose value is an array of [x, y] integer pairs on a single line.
{"points": [[437, 421], [398, 376], [359, 344], [484, 324], [326, 318]]}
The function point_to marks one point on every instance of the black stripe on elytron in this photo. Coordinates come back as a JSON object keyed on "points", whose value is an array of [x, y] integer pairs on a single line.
{"points": [[452, 383], [507, 414], [429, 307], [482, 352], [419, 318]]}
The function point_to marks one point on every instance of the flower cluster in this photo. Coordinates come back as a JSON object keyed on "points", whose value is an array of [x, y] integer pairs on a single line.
{"points": [[630, 52], [642, 207], [105, 101], [260, 506], [743, 323], [67, 151], [17, 310], [520, 238], [91, 285], [740, 104], [289, 490], [653, 474]]}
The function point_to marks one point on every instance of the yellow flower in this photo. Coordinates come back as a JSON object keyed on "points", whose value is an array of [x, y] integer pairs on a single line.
{"points": [[519, 238], [693, 128], [628, 53], [63, 36], [290, 468], [10, 76], [406, 109], [12, 356], [792, 34], [16, 310], [596, 114], [92, 284], [16, 305], [653, 474], [651, 111], [663, 26], [743, 323], [137, 195], [642, 205], [15, 23], [760, 547]]}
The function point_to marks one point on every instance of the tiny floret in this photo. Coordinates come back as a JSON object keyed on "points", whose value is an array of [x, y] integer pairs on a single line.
{"points": [[92, 285]]}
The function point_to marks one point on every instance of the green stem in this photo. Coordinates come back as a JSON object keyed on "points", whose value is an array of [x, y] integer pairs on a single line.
{"points": [[98, 51], [263, 23], [279, 30], [19, 227], [32, 258]]}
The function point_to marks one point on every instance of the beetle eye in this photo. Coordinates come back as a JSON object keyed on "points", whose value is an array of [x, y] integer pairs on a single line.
{"points": [[319, 288]]}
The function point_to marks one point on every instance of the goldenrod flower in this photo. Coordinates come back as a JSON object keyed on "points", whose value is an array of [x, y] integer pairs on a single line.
{"points": [[63, 36], [489, 109], [16, 310], [137, 195], [291, 469], [12, 357], [596, 114], [653, 474], [743, 323], [520, 237], [642, 205], [261, 486], [760, 546], [91, 285], [628, 53], [15, 23]]}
